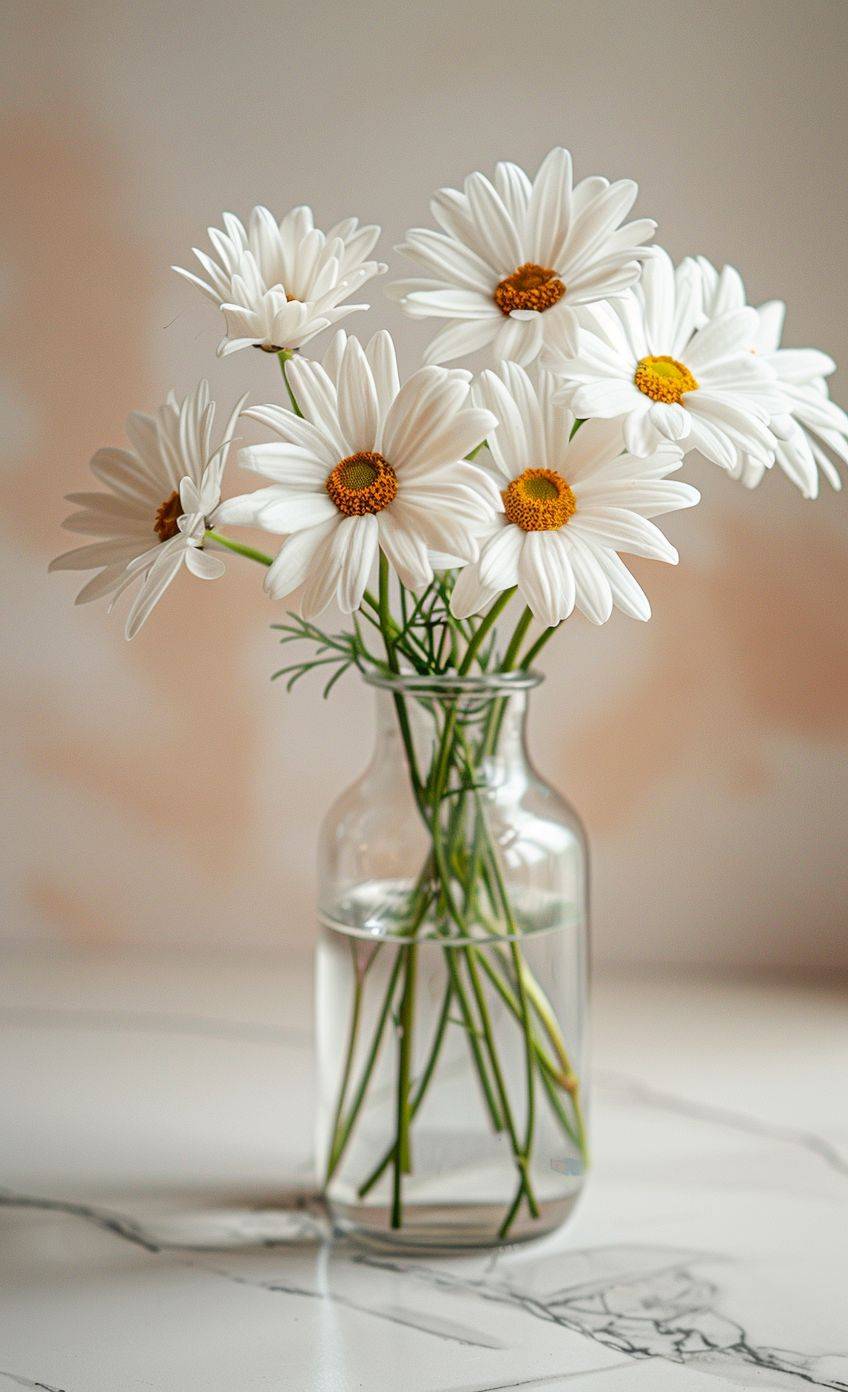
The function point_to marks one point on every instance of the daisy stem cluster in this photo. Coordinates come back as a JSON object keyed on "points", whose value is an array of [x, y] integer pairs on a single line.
{"points": [[461, 887], [455, 779]]}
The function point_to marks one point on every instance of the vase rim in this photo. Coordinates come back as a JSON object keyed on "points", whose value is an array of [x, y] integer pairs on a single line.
{"points": [[451, 683]]}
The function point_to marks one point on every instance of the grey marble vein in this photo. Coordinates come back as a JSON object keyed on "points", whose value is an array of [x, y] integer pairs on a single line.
{"points": [[303, 1220], [29, 1382], [311, 1228], [652, 1096], [642, 1301], [102, 1218], [546, 1380]]}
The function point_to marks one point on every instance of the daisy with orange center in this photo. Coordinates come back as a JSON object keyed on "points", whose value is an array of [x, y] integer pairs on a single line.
{"points": [[513, 256], [570, 512], [370, 466], [157, 506]]}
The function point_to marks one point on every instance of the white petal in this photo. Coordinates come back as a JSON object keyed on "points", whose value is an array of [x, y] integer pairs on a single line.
{"points": [[670, 419], [322, 578], [626, 593], [354, 550], [152, 590], [549, 208], [640, 435], [593, 593], [470, 596], [543, 576], [405, 551], [499, 557], [291, 566], [204, 564], [456, 340], [359, 415], [288, 464], [429, 396], [621, 530], [380, 352]]}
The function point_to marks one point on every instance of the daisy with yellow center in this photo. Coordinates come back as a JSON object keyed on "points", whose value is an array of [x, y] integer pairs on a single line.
{"points": [[369, 466], [158, 503], [812, 435], [570, 506], [654, 361], [515, 256], [664, 379]]}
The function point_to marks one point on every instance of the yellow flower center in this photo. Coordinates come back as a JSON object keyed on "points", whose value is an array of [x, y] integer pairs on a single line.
{"points": [[363, 482], [165, 524], [529, 287], [539, 500], [664, 379]]}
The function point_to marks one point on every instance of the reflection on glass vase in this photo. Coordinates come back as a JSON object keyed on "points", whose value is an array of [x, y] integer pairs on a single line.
{"points": [[451, 978]]}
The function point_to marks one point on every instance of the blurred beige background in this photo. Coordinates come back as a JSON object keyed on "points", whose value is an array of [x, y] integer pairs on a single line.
{"points": [[165, 791]]}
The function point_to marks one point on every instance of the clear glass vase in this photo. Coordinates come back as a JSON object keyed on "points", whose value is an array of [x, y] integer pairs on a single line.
{"points": [[451, 977]]}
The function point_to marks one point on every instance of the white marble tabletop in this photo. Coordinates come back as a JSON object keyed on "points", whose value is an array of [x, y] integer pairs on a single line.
{"points": [[159, 1233]]}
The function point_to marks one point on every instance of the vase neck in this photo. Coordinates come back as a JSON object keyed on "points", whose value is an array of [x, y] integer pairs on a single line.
{"points": [[494, 726]]}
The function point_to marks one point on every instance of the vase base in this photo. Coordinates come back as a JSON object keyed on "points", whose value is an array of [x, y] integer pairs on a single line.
{"points": [[448, 1228]]}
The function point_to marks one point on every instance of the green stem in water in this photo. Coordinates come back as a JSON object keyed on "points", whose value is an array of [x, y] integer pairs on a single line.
{"points": [[420, 1089], [402, 1162], [343, 1132], [240, 549], [353, 1033]]}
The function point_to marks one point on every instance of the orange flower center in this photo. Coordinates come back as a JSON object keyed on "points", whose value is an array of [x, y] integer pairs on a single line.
{"points": [[539, 500], [529, 287], [165, 525], [664, 379], [363, 482]]}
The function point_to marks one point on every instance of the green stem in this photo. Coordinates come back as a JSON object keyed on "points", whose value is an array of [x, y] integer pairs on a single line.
{"points": [[518, 967], [353, 1033], [533, 652], [420, 1089], [240, 549], [481, 633], [388, 629], [516, 640], [473, 1038], [402, 1161], [284, 355], [497, 1072], [337, 1149]]}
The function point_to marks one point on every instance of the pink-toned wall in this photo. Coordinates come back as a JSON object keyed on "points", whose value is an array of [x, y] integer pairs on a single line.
{"points": [[164, 791]]}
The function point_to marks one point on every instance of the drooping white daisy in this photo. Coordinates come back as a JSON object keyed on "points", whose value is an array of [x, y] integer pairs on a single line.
{"points": [[816, 427], [158, 503], [651, 360], [370, 465], [570, 505], [516, 256], [280, 284]]}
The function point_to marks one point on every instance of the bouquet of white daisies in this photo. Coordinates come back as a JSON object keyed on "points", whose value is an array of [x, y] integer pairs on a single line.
{"points": [[425, 509]]}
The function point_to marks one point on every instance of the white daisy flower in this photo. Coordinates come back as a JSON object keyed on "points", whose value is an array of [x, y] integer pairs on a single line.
{"points": [[159, 502], [370, 465], [280, 284], [816, 427], [570, 505], [651, 360], [514, 257]]}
